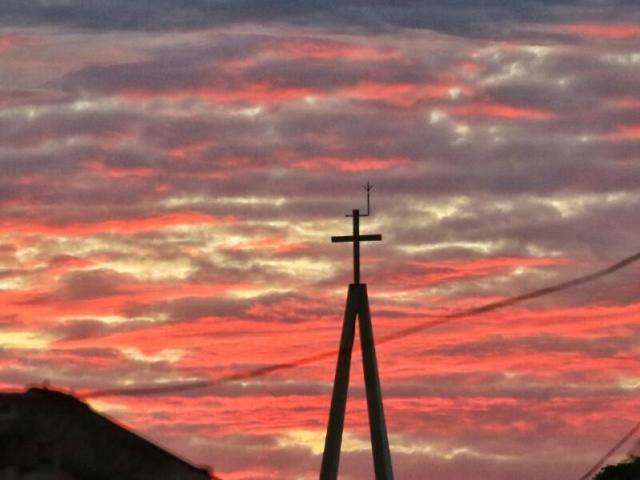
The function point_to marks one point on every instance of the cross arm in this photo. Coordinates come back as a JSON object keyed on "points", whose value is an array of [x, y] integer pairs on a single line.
{"points": [[342, 238], [362, 238], [371, 238]]}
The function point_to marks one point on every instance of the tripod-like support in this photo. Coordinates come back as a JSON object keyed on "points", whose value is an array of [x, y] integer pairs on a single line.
{"points": [[357, 307]]}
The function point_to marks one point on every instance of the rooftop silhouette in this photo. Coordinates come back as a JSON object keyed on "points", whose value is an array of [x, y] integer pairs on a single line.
{"points": [[627, 470], [51, 435]]}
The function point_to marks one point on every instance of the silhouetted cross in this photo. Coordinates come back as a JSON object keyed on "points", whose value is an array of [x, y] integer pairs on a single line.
{"points": [[356, 238]]}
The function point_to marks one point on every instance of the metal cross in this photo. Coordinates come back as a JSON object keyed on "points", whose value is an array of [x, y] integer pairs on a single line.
{"points": [[356, 238]]}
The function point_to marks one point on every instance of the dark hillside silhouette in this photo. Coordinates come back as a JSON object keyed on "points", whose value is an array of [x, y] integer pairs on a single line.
{"points": [[627, 470], [48, 434]]}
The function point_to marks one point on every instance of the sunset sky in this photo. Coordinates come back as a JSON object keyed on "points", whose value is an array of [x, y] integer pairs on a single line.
{"points": [[171, 172]]}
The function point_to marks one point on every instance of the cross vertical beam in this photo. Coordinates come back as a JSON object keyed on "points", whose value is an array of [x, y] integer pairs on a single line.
{"points": [[356, 247]]}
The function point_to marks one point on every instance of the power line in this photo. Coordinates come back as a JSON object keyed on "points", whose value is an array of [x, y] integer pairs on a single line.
{"points": [[611, 452], [507, 302], [402, 333]]}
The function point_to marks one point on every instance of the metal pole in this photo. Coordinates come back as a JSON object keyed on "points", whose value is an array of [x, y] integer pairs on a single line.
{"points": [[333, 440], [379, 441]]}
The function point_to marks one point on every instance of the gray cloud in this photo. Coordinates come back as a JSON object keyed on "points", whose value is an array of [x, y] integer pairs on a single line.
{"points": [[493, 18]]}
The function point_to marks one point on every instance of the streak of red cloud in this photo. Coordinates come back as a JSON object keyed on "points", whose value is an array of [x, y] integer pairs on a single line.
{"points": [[277, 244], [191, 289], [254, 93], [6, 42], [186, 151], [402, 95], [114, 172], [61, 265], [307, 48], [128, 226], [627, 102], [625, 132], [469, 68], [603, 31], [436, 321], [257, 474], [443, 271], [210, 175], [496, 110], [405, 95], [351, 165], [36, 306]]}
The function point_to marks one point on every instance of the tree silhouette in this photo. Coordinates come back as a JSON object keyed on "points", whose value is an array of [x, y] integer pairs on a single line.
{"points": [[627, 470]]}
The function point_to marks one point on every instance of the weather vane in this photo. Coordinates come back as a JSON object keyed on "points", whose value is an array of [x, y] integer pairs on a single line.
{"points": [[357, 308], [367, 188]]}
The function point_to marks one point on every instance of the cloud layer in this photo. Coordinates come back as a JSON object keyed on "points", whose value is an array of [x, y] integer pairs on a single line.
{"points": [[172, 173]]}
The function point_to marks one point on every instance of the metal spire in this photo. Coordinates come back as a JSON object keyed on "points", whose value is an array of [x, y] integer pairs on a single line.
{"points": [[357, 308]]}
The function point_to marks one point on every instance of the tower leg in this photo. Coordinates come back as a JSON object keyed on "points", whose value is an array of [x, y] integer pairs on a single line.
{"points": [[333, 440], [379, 440]]}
